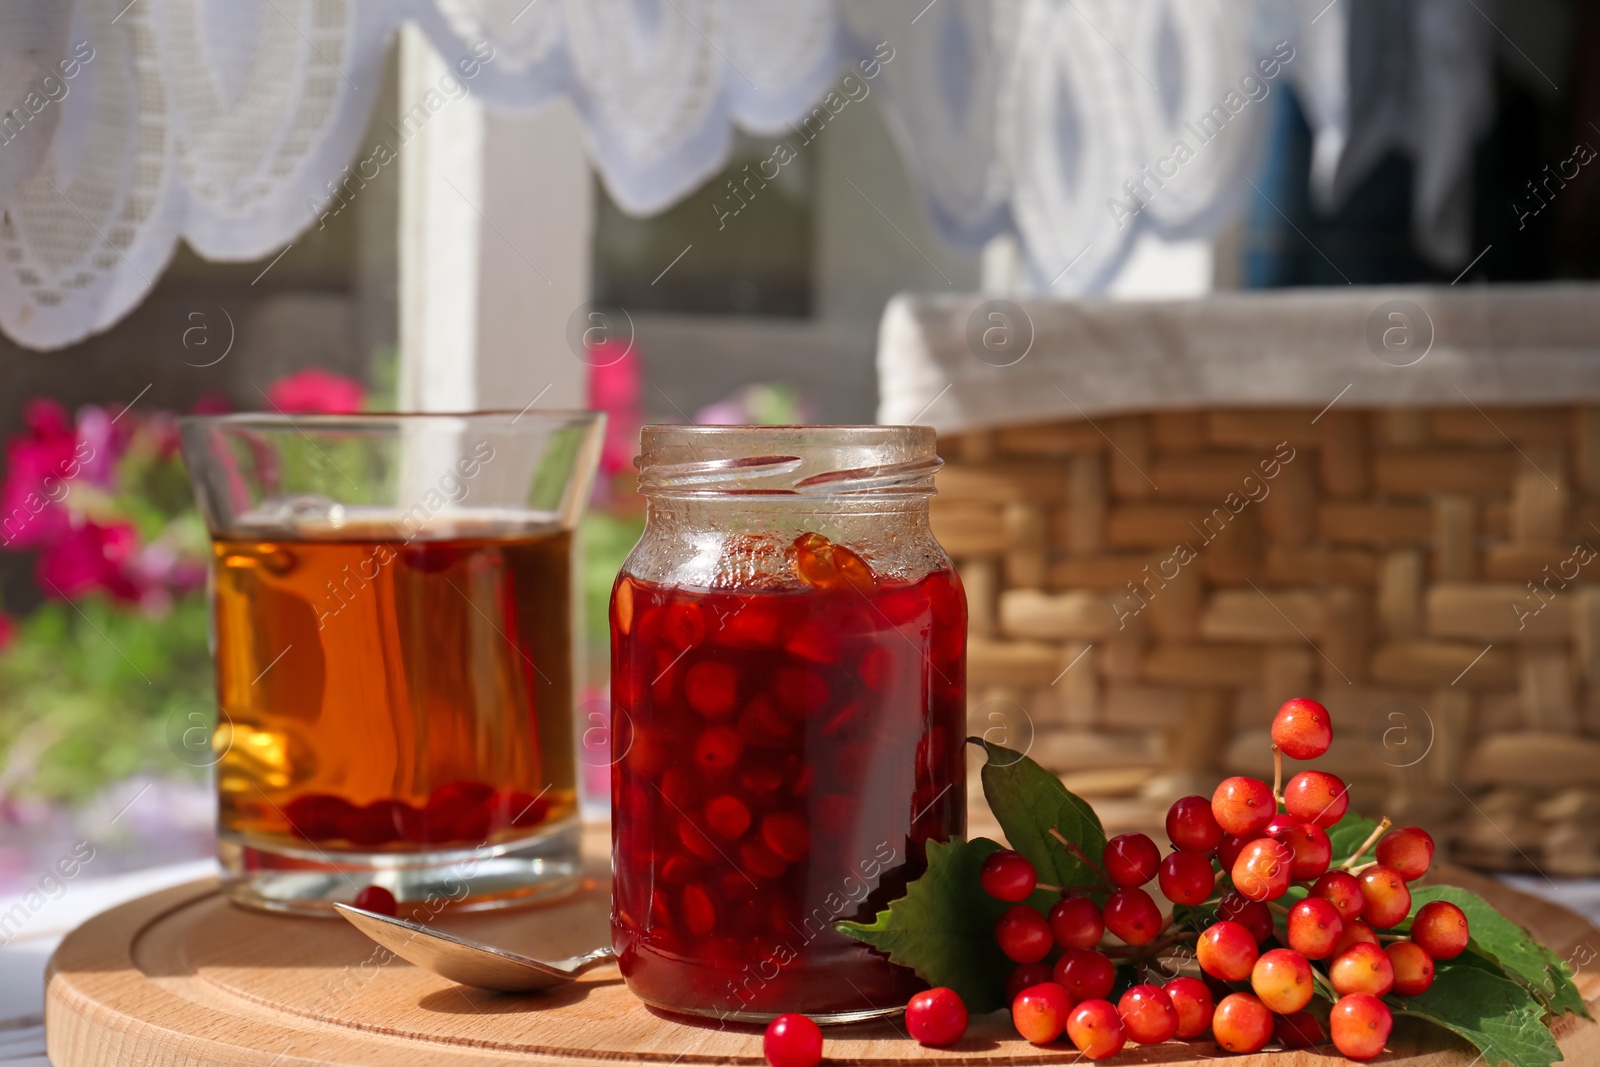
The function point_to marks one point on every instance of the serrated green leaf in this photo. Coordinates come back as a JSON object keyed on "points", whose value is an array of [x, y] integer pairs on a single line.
{"points": [[943, 928], [1498, 1016], [1566, 996], [1509, 946], [1028, 801]]}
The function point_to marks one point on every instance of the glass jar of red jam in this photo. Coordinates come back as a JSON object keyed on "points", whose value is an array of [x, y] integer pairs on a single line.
{"points": [[789, 702]]}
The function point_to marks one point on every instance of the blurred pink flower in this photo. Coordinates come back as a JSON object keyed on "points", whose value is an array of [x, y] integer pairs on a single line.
{"points": [[87, 558], [730, 412], [8, 630], [316, 391], [757, 405], [614, 388], [38, 462], [46, 419], [101, 443], [212, 404], [160, 564], [163, 430], [84, 545]]}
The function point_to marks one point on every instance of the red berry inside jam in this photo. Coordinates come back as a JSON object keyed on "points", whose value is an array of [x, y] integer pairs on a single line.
{"points": [[711, 688], [727, 816], [790, 752], [717, 749], [699, 914], [786, 834], [685, 624]]}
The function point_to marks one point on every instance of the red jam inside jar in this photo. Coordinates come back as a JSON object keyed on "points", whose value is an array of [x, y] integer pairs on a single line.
{"points": [[782, 756]]}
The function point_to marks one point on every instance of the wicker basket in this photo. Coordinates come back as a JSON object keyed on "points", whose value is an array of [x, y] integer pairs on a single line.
{"points": [[1146, 590]]}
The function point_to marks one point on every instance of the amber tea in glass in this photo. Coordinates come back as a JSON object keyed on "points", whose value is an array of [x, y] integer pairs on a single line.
{"points": [[394, 679]]}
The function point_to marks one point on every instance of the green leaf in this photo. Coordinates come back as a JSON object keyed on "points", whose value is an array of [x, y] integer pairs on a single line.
{"points": [[1194, 917], [1324, 987], [1566, 997], [1509, 946], [1029, 801], [1559, 973], [1495, 1014], [943, 928]]}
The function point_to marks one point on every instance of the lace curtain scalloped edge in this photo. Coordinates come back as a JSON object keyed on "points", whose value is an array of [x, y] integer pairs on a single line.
{"points": [[241, 171]]}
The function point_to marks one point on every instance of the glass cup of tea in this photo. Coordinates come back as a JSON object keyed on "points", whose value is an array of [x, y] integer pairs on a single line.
{"points": [[395, 635]]}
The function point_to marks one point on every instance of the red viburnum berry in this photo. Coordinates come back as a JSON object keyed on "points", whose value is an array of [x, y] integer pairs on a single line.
{"points": [[936, 1017], [792, 1040], [1302, 729], [1008, 876]]}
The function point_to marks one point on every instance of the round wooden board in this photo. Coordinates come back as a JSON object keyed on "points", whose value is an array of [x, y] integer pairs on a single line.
{"points": [[182, 977]]}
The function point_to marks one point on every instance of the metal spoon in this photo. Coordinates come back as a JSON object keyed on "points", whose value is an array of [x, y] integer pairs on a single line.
{"points": [[468, 962]]}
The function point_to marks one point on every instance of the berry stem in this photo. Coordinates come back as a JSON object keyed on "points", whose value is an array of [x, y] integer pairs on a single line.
{"points": [[1166, 941], [1079, 854], [1277, 773], [1372, 839], [1143, 957], [1122, 952], [1048, 888], [1273, 905]]}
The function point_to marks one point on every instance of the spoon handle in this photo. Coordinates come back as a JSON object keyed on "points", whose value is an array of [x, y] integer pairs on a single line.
{"points": [[587, 962]]}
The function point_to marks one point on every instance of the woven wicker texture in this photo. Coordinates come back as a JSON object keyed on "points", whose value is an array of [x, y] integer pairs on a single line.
{"points": [[1145, 591]]}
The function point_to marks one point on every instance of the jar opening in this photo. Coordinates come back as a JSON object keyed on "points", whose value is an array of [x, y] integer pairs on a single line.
{"points": [[818, 461]]}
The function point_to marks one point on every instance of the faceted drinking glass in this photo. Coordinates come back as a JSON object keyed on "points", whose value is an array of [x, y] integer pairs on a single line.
{"points": [[393, 625]]}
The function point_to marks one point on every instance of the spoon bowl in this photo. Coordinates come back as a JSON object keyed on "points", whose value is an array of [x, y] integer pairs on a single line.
{"points": [[468, 962]]}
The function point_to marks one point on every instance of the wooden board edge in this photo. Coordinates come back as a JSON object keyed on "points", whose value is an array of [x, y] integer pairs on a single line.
{"points": [[86, 1016], [96, 1016]]}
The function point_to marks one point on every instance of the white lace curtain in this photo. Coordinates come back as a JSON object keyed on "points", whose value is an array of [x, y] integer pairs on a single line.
{"points": [[226, 122]]}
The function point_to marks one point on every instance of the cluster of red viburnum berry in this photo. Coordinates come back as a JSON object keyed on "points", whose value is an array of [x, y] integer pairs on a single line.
{"points": [[1255, 983]]}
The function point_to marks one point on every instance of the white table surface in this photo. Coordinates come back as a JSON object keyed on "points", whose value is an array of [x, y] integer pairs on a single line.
{"points": [[23, 959]]}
